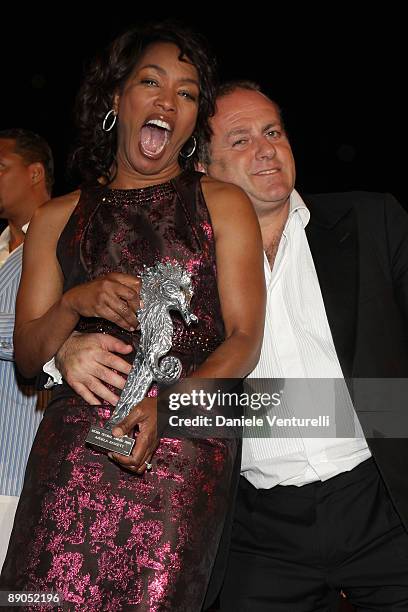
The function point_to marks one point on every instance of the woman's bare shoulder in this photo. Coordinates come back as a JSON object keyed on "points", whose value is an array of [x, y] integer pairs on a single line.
{"points": [[214, 188], [55, 213], [226, 202], [59, 206]]}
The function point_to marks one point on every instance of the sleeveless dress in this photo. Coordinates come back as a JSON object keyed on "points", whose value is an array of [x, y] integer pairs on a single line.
{"points": [[104, 538]]}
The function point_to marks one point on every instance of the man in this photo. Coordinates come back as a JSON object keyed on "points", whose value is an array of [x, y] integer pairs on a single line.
{"points": [[314, 515], [26, 178], [317, 516]]}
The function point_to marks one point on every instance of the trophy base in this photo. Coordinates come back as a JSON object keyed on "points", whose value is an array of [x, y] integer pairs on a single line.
{"points": [[103, 439]]}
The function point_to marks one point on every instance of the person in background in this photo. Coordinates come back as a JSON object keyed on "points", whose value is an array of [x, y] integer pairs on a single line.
{"points": [[26, 179]]}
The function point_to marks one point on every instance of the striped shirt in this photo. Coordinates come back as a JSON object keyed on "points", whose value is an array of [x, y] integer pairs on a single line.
{"points": [[21, 406]]}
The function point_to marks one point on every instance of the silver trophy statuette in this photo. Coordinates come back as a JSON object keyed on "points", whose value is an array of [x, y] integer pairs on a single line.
{"points": [[165, 287]]}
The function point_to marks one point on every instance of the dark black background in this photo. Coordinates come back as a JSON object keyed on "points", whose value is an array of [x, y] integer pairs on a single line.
{"points": [[339, 71], [339, 76]]}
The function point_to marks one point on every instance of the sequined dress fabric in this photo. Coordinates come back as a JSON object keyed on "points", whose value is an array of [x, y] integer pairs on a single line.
{"points": [[102, 537]]}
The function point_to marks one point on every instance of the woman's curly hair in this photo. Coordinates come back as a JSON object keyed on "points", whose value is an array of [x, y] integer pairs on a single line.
{"points": [[95, 154]]}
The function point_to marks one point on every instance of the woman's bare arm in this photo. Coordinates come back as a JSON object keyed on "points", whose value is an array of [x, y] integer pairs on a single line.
{"points": [[240, 280], [45, 316], [41, 286]]}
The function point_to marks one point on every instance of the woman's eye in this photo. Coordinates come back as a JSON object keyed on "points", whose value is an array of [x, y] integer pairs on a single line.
{"points": [[150, 82], [187, 94]]}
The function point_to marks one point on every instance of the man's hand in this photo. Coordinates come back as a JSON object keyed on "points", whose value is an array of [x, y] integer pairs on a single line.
{"points": [[87, 361], [144, 415]]}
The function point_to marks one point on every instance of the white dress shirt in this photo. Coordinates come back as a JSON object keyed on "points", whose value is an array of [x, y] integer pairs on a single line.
{"points": [[298, 345]]}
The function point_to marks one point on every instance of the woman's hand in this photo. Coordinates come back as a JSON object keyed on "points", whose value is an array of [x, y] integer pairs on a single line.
{"points": [[144, 415], [114, 297]]}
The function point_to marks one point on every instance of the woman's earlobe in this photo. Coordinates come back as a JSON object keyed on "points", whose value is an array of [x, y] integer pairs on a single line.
{"points": [[200, 167], [115, 103]]}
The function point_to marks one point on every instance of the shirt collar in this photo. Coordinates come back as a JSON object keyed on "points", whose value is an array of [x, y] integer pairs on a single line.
{"points": [[297, 205], [5, 234], [5, 237]]}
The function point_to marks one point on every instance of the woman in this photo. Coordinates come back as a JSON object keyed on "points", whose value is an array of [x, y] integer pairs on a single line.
{"points": [[108, 538]]}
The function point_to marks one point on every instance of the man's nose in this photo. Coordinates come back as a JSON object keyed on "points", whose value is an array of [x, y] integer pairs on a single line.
{"points": [[265, 149]]}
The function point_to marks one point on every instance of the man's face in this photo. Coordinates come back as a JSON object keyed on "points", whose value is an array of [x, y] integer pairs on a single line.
{"points": [[15, 179], [250, 148]]}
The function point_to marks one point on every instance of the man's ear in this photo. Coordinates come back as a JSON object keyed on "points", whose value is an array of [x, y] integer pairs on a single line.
{"points": [[37, 173]]}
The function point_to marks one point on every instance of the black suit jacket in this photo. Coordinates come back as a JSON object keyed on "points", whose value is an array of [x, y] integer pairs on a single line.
{"points": [[359, 244]]}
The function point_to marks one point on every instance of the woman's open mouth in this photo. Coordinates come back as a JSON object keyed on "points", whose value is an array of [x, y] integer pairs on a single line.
{"points": [[154, 136]]}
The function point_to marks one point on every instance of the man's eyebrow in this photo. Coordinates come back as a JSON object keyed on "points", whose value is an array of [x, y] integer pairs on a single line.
{"points": [[237, 132], [273, 124], [241, 130]]}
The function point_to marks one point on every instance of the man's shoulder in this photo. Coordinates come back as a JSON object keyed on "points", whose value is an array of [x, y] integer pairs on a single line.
{"points": [[330, 207], [347, 199]]}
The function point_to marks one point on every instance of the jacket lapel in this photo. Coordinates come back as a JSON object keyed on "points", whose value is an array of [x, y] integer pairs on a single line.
{"points": [[332, 237]]}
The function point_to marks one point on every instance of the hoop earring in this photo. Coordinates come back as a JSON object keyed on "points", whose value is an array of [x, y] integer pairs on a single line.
{"points": [[112, 123], [190, 153]]}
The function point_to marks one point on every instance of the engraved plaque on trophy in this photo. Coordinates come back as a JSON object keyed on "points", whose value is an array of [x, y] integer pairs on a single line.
{"points": [[165, 287]]}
